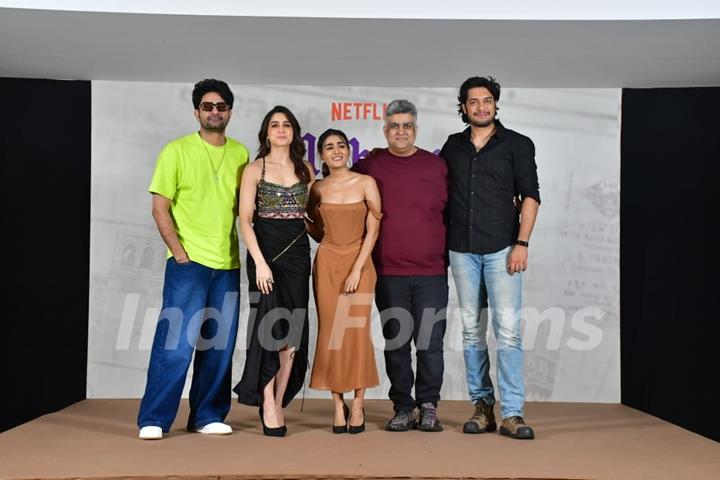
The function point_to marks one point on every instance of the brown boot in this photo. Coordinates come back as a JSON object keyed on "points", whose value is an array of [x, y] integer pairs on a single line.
{"points": [[483, 420], [515, 427]]}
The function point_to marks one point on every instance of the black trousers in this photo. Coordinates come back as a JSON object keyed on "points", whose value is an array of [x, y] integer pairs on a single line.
{"points": [[413, 309]]}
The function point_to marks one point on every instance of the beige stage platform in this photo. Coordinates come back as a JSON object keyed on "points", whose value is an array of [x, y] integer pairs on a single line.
{"points": [[97, 439]]}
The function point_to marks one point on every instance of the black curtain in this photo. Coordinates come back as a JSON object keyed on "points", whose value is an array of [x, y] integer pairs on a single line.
{"points": [[670, 254], [45, 156]]}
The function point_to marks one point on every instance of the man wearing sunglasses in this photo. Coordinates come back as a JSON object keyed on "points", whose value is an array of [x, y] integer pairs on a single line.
{"points": [[194, 204]]}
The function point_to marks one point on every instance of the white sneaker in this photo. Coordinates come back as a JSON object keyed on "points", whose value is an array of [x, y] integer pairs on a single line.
{"points": [[215, 428], [151, 433]]}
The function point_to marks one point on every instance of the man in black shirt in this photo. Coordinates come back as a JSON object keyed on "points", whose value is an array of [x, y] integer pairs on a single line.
{"points": [[489, 168]]}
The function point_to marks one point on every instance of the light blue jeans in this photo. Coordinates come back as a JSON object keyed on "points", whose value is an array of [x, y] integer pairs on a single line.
{"points": [[478, 275]]}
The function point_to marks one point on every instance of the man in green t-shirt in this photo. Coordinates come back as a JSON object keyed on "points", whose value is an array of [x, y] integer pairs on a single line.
{"points": [[195, 204]]}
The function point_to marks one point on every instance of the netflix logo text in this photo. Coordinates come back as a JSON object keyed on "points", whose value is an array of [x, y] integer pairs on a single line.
{"points": [[357, 111]]}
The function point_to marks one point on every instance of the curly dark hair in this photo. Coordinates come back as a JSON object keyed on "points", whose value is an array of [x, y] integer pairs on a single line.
{"points": [[473, 82], [212, 85], [321, 142], [297, 147]]}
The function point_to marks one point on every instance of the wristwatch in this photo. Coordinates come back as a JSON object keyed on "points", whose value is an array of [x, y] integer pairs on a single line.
{"points": [[522, 242]]}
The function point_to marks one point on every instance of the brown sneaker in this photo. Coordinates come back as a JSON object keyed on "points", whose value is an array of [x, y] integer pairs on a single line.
{"points": [[515, 427], [483, 420]]}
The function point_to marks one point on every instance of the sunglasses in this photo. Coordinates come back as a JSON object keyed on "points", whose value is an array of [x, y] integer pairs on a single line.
{"points": [[208, 106]]}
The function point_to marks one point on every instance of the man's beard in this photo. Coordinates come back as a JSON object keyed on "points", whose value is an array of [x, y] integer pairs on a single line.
{"points": [[483, 123], [217, 126]]}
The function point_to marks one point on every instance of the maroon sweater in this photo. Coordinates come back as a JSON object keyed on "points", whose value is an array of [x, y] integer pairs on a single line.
{"points": [[414, 193]]}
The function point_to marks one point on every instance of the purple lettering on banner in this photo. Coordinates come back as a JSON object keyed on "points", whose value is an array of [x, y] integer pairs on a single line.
{"points": [[357, 154], [311, 141]]}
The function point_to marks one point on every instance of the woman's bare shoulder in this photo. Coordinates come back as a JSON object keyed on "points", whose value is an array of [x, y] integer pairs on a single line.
{"points": [[254, 167], [366, 180], [318, 185]]}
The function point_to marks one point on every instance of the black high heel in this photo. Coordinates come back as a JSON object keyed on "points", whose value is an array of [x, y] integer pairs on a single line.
{"points": [[271, 432], [343, 428], [360, 428]]}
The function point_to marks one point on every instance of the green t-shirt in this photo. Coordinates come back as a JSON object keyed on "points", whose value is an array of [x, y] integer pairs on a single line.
{"points": [[202, 181]]}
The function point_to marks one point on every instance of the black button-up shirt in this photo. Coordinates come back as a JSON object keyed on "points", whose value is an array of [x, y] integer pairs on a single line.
{"points": [[482, 216]]}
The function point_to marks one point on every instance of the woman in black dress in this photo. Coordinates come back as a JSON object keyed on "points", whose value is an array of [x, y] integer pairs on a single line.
{"points": [[273, 197]]}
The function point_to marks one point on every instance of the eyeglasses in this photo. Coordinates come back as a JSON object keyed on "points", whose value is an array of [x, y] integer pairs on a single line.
{"points": [[208, 106], [405, 126]]}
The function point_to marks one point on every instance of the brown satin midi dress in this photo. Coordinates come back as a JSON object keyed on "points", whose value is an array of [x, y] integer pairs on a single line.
{"points": [[344, 354]]}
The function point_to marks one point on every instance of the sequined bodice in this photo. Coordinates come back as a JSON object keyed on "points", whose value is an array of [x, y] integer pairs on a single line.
{"points": [[278, 201]]}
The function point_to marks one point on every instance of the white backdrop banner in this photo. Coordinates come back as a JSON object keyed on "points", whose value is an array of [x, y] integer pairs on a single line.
{"points": [[571, 296]]}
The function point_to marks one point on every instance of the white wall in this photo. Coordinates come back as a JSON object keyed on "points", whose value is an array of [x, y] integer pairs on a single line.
{"points": [[574, 257]]}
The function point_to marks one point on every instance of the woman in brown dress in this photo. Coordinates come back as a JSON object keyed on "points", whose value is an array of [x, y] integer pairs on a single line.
{"points": [[345, 212]]}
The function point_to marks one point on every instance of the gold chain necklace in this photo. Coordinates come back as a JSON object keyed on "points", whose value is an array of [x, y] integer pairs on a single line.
{"points": [[222, 159]]}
